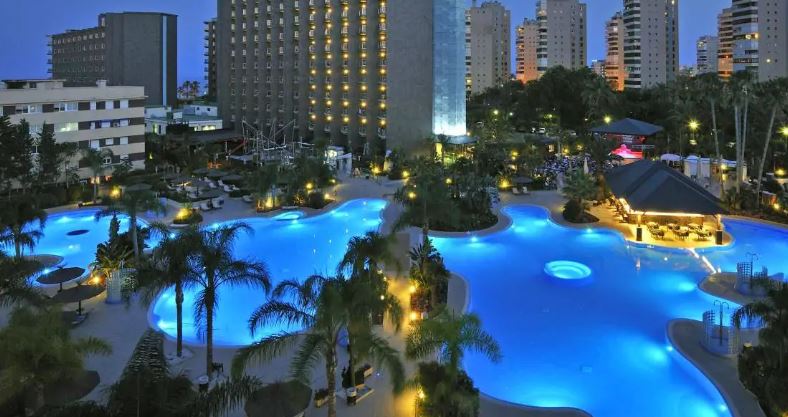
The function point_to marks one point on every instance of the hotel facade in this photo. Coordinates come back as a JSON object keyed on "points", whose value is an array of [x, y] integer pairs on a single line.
{"points": [[354, 73], [98, 117]]}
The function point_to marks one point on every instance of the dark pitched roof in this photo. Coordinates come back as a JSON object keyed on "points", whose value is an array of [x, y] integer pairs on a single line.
{"points": [[654, 186], [628, 127]]}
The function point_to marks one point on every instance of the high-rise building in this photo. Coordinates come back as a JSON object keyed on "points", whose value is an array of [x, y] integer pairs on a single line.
{"points": [[614, 61], [352, 72], [725, 39], [562, 34], [526, 43], [210, 57], [124, 49], [598, 67], [707, 52], [98, 117], [745, 35], [651, 42], [773, 39], [488, 46]]}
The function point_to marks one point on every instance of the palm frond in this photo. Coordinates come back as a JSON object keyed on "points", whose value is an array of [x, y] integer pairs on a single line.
{"points": [[263, 351]]}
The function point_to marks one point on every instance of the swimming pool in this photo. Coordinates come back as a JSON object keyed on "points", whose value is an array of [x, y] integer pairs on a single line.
{"points": [[292, 248], [74, 235], [601, 346], [767, 242]]}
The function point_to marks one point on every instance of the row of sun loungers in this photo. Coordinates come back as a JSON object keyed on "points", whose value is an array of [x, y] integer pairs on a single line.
{"points": [[520, 191]]}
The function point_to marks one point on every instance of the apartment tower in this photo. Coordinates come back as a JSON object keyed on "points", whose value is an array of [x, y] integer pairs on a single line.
{"points": [[562, 34], [614, 61], [526, 43], [351, 72], [128, 48], [210, 57], [773, 39], [745, 35], [488, 46], [707, 52], [651, 42], [725, 44]]}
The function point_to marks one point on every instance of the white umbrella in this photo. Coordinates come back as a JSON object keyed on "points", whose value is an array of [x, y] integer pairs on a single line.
{"points": [[585, 166]]}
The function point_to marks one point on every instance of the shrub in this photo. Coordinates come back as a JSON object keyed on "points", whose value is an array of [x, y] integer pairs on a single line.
{"points": [[194, 217], [237, 193], [573, 211]]}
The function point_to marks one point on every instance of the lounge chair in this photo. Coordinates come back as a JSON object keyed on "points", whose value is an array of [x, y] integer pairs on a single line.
{"points": [[217, 203], [204, 206], [222, 184], [227, 188], [515, 191], [525, 190], [211, 185], [247, 198]]}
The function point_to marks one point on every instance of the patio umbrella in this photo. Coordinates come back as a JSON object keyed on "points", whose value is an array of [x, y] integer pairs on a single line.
{"points": [[138, 187], [201, 171], [209, 194], [78, 294], [585, 166], [61, 275], [280, 399], [232, 178], [216, 173]]}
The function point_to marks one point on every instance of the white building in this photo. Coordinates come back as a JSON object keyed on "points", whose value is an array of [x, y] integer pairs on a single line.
{"points": [[562, 34], [488, 45], [651, 42], [199, 117], [100, 117]]}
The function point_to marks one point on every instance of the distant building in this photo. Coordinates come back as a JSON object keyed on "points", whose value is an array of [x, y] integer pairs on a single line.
{"points": [[725, 43], [707, 52], [773, 39], [745, 35], [365, 74], [651, 42], [125, 49], [526, 44], [598, 67], [488, 37], [615, 71], [98, 117], [210, 58], [562, 34], [199, 117]]}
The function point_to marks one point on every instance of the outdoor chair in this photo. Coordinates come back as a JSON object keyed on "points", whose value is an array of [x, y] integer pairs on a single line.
{"points": [[247, 199], [227, 188], [525, 190], [515, 191], [205, 207]]}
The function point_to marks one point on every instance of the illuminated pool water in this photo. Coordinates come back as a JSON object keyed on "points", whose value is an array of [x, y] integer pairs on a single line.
{"points": [[292, 248], [600, 347], [568, 270], [768, 243], [74, 235]]}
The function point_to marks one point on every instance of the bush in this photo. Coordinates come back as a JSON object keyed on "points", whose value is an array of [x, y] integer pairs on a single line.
{"points": [[316, 201], [757, 375], [237, 193], [194, 217], [573, 211]]}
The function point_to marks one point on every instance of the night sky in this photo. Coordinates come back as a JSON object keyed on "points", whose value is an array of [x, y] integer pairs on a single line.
{"points": [[26, 24]]}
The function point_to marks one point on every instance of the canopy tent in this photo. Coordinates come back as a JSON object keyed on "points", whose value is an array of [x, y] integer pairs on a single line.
{"points": [[650, 187], [629, 127]]}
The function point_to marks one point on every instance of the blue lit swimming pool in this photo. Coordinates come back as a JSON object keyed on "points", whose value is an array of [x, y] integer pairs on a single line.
{"points": [[74, 235], [291, 248], [768, 243], [600, 347]]}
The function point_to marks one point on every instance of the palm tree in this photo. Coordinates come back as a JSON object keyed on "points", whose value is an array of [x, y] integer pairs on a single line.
{"points": [[445, 393], [94, 159], [15, 287], [367, 254], [324, 307], [580, 187], [37, 351], [263, 181], [774, 97], [426, 198], [22, 221], [215, 266], [169, 266], [450, 335], [773, 313], [134, 204], [428, 270]]}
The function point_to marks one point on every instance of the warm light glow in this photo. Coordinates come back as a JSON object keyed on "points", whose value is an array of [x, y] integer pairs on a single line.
{"points": [[776, 206], [182, 213], [504, 183], [608, 119], [448, 180], [413, 316], [115, 192], [411, 195], [326, 196], [421, 394], [309, 186], [412, 289], [405, 174], [780, 172], [96, 280], [694, 125], [784, 131]]}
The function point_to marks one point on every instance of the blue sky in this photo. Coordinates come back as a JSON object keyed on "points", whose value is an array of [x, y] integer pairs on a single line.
{"points": [[26, 24]]}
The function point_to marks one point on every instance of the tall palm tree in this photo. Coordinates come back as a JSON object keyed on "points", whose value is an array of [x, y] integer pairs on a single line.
{"points": [[450, 335], [22, 220], [320, 306], [15, 286], [134, 204], [774, 97], [772, 311], [580, 187], [94, 159], [428, 269], [215, 266], [169, 266], [263, 181], [426, 198], [37, 351], [367, 254]]}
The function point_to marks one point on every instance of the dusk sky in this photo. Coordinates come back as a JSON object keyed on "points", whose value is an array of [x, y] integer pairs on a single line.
{"points": [[26, 24]]}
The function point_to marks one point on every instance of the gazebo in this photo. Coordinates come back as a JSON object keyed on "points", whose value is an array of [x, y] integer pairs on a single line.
{"points": [[662, 198], [630, 136]]}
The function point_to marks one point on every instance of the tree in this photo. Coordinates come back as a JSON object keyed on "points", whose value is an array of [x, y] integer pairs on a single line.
{"points": [[580, 187], [774, 97], [51, 156], [15, 286], [169, 266], [37, 351], [94, 159], [428, 270], [451, 335], [444, 393], [773, 313], [264, 181], [134, 203], [425, 197], [22, 220], [320, 306], [367, 254], [215, 266]]}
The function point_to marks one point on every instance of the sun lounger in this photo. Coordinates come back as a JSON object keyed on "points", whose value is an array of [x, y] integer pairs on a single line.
{"points": [[515, 191], [227, 188], [217, 202], [247, 198], [525, 190], [211, 185], [204, 206]]}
